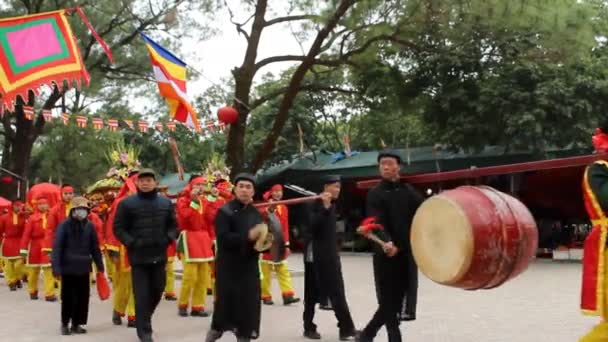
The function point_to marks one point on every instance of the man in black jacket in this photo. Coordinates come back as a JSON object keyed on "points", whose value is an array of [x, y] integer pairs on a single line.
{"points": [[392, 204], [145, 224], [322, 268], [74, 248]]}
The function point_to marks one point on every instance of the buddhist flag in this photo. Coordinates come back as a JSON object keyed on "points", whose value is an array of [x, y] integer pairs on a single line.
{"points": [[170, 74], [47, 115], [28, 112]]}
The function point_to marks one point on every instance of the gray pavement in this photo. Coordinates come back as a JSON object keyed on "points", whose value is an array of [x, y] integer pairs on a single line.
{"points": [[541, 305]]}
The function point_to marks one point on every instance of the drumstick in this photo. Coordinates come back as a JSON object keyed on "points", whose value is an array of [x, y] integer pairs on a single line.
{"points": [[371, 236]]}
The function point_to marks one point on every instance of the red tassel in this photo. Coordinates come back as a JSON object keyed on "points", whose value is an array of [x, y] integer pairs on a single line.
{"points": [[93, 32]]}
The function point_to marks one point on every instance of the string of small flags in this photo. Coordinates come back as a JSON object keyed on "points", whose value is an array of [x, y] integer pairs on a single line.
{"points": [[98, 123]]}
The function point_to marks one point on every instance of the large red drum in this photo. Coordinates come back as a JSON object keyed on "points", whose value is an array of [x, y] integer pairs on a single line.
{"points": [[473, 238]]}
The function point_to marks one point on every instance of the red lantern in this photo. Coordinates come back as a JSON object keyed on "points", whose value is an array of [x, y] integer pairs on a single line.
{"points": [[227, 115], [7, 180]]}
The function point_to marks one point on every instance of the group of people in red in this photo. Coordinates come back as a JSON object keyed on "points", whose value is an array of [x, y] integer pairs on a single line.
{"points": [[28, 236]]}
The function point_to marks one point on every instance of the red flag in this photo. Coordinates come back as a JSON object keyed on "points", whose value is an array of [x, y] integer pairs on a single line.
{"points": [[97, 123], [28, 112], [47, 115], [65, 117], [81, 121], [113, 124], [143, 126]]}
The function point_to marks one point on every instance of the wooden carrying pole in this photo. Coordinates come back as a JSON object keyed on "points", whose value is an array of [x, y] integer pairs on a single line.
{"points": [[287, 202]]}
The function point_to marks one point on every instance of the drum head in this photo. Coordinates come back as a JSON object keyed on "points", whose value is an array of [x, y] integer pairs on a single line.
{"points": [[442, 240]]}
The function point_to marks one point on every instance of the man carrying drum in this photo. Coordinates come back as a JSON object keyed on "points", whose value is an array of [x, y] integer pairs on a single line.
{"points": [[391, 205]]}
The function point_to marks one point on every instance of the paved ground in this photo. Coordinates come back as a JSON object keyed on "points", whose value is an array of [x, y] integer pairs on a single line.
{"points": [[540, 305]]}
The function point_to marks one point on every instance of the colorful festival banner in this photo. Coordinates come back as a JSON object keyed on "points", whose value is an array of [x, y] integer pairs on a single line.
{"points": [[39, 49]]}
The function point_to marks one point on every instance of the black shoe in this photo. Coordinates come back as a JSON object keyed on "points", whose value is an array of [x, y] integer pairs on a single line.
{"points": [[213, 335], [12, 287], [116, 318], [267, 302], [146, 338], [19, 284], [76, 329], [131, 324], [361, 338], [182, 312], [349, 336], [290, 300], [404, 317], [65, 331], [33, 296], [312, 335], [51, 299], [209, 292], [170, 298], [199, 313]]}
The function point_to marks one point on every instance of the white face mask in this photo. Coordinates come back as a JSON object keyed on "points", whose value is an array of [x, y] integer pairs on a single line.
{"points": [[80, 214]]}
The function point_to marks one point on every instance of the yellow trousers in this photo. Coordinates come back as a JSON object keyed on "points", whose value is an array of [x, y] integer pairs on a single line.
{"points": [[195, 281], [13, 270], [47, 279], [124, 302], [170, 285], [109, 265], [599, 333], [283, 276]]}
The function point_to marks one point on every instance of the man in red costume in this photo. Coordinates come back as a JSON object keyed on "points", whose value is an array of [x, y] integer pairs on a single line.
{"points": [[31, 247], [195, 249], [12, 226], [57, 215], [594, 290], [279, 267], [122, 295]]}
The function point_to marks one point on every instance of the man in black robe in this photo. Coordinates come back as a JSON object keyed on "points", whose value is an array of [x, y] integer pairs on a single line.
{"points": [[323, 270], [393, 205], [237, 307]]}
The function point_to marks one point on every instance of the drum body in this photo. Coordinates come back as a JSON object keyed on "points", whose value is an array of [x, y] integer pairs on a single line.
{"points": [[473, 238], [277, 250]]}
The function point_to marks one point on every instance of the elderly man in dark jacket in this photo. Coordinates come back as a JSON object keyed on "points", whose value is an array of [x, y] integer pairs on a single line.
{"points": [[74, 247], [145, 224]]}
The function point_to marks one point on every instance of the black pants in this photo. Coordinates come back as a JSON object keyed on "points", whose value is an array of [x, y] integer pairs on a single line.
{"points": [[148, 287], [75, 291], [335, 292], [391, 285], [411, 289]]}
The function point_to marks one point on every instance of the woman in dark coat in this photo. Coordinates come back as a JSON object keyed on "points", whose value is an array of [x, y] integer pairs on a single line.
{"points": [[74, 249]]}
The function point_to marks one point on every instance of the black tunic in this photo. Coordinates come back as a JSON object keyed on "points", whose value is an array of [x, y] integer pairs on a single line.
{"points": [[326, 268], [237, 307], [394, 205]]}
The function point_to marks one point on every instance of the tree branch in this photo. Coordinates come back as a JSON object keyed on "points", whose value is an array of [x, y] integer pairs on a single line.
{"points": [[295, 82], [290, 18], [239, 26], [275, 59], [308, 87]]}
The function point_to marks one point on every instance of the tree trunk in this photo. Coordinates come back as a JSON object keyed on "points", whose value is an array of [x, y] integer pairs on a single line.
{"points": [[243, 78]]}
